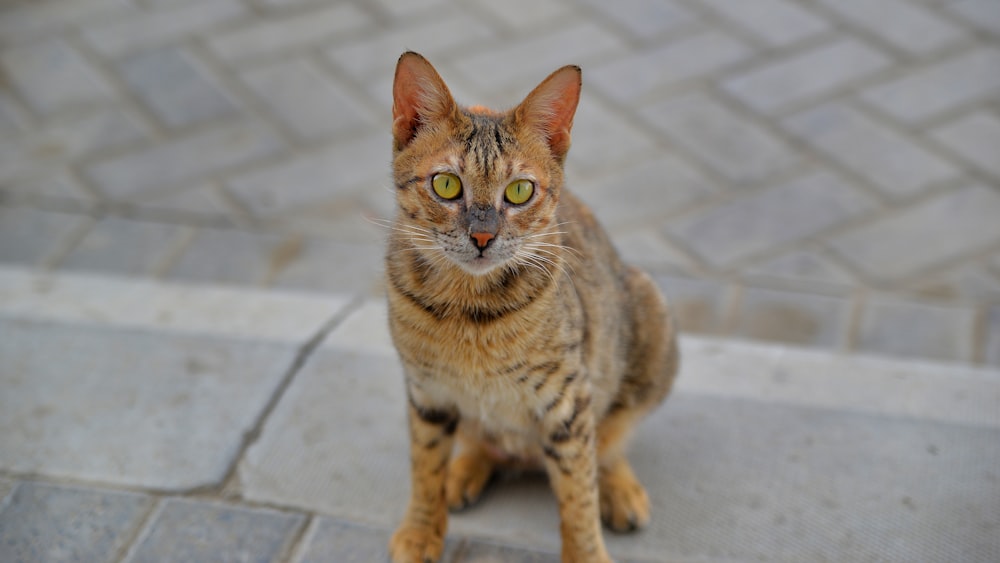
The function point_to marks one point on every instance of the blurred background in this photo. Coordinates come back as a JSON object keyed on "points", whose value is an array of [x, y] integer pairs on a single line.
{"points": [[817, 172]]}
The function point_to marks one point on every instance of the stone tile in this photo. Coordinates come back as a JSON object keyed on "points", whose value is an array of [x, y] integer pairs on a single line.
{"points": [[916, 330], [177, 88], [313, 105], [518, 66], [333, 172], [740, 150], [806, 75], [155, 408], [199, 200], [603, 138], [698, 305], [776, 22], [993, 337], [761, 221], [645, 19], [40, 151], [481, 552], [973, 282], [806, 266], [58, 184], [375, 56], [936, 88], [54, 523], [984, 14], [183, 160], [891, 161], [12, 118], [516, 14], [6, 487], [122, 246], [32, 236], [52, 75], [196, 531], [116, 36], [643, 72], [905, 25], [21, 22], [322, 265], [922, 235], [975, 138], [792, 317], [231, 256], [647, 249], [642, 191], [405, 10], [283, 33], [344, 542]]}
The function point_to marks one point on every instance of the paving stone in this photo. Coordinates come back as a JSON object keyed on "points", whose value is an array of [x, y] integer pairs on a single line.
{"points": [[645, 19], [905, 25], [153, 409], [55, 524], [52, 75], [58, 184], [12, 118], [345, 542], [698, 306], [727, 233], [287, 32], [312, 104], [41, 150], [805, 266], [793, 317], [177, 88], [405, 10], [984, 14], [922, 235], [741, 150], [193, 531], [976, 138], [313, 177], [993, 337], [602, 138], [936, 88], [973, 282], [514, 67], [32, 236], [663, 184], [322, 265], [912, 329], [375, 56], [518, 14], [480, 552], [643, 72], [647, 249], [122, 246], [795, 79], [890, 160], [116, 36], [231, 256], [29, 21], [777, 22], [199, 200], [183, 160], [5, 488]]}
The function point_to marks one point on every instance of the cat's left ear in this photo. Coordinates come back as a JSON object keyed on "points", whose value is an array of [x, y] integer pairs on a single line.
{"points": [[550, 108], [419, 97]]}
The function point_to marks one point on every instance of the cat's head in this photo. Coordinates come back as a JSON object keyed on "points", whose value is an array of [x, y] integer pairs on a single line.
{"points": [[479, 187]]}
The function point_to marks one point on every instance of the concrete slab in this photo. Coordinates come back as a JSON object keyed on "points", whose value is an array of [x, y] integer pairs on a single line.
{"points": [[763, 453]]}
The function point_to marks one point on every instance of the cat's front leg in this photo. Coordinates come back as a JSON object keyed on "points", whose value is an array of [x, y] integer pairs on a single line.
{"points": [[568, 442], [420, 537]]}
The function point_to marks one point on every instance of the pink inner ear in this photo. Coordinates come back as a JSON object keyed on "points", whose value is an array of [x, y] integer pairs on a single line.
{"points": [[418, 95], [551, 106]]}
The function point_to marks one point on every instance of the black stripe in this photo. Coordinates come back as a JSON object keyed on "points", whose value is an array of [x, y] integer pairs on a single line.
{"points": [[429, 308], [408, 183]]}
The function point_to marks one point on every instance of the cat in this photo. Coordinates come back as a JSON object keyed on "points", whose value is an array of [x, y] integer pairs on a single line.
{"points": [[522, 334]]}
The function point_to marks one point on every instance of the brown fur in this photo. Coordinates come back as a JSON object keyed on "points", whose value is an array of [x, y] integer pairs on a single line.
{"points": [[550, 357]]}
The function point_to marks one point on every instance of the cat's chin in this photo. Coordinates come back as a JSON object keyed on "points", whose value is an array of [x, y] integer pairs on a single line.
{"points": [[479, 266]]}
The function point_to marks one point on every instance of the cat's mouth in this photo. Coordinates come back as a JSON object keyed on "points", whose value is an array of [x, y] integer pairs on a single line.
{"points": [[480, 265]]}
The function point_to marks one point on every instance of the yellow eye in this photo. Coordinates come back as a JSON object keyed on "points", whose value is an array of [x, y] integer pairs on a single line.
{"points": [[447, 185], [519, 191]]}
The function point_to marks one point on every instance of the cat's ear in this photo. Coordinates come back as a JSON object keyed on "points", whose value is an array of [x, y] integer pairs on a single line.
{"points": [[550, 107], [419, 96]]}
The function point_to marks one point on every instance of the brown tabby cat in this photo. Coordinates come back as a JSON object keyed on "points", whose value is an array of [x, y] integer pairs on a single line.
{"points": [[519, 328]]}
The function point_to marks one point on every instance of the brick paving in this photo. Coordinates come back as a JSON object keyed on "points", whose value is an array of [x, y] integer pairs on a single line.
{"points": [[817, 172]]}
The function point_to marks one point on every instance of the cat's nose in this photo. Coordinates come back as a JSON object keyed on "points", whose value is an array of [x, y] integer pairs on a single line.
{"points": [[482, 239]]}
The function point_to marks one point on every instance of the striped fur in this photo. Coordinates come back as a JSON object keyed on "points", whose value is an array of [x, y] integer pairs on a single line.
{"points": [[543, 349]]}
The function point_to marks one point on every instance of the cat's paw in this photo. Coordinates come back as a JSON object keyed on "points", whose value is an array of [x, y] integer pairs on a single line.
{"points": [[624, 503], [468, 475], [412, 544]]}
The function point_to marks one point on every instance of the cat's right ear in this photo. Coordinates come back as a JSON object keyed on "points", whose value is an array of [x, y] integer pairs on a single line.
{"points": [[419, 97]]}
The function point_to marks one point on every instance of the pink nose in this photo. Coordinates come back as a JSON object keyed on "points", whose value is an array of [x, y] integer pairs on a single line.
{"points": [[482, 239]]}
